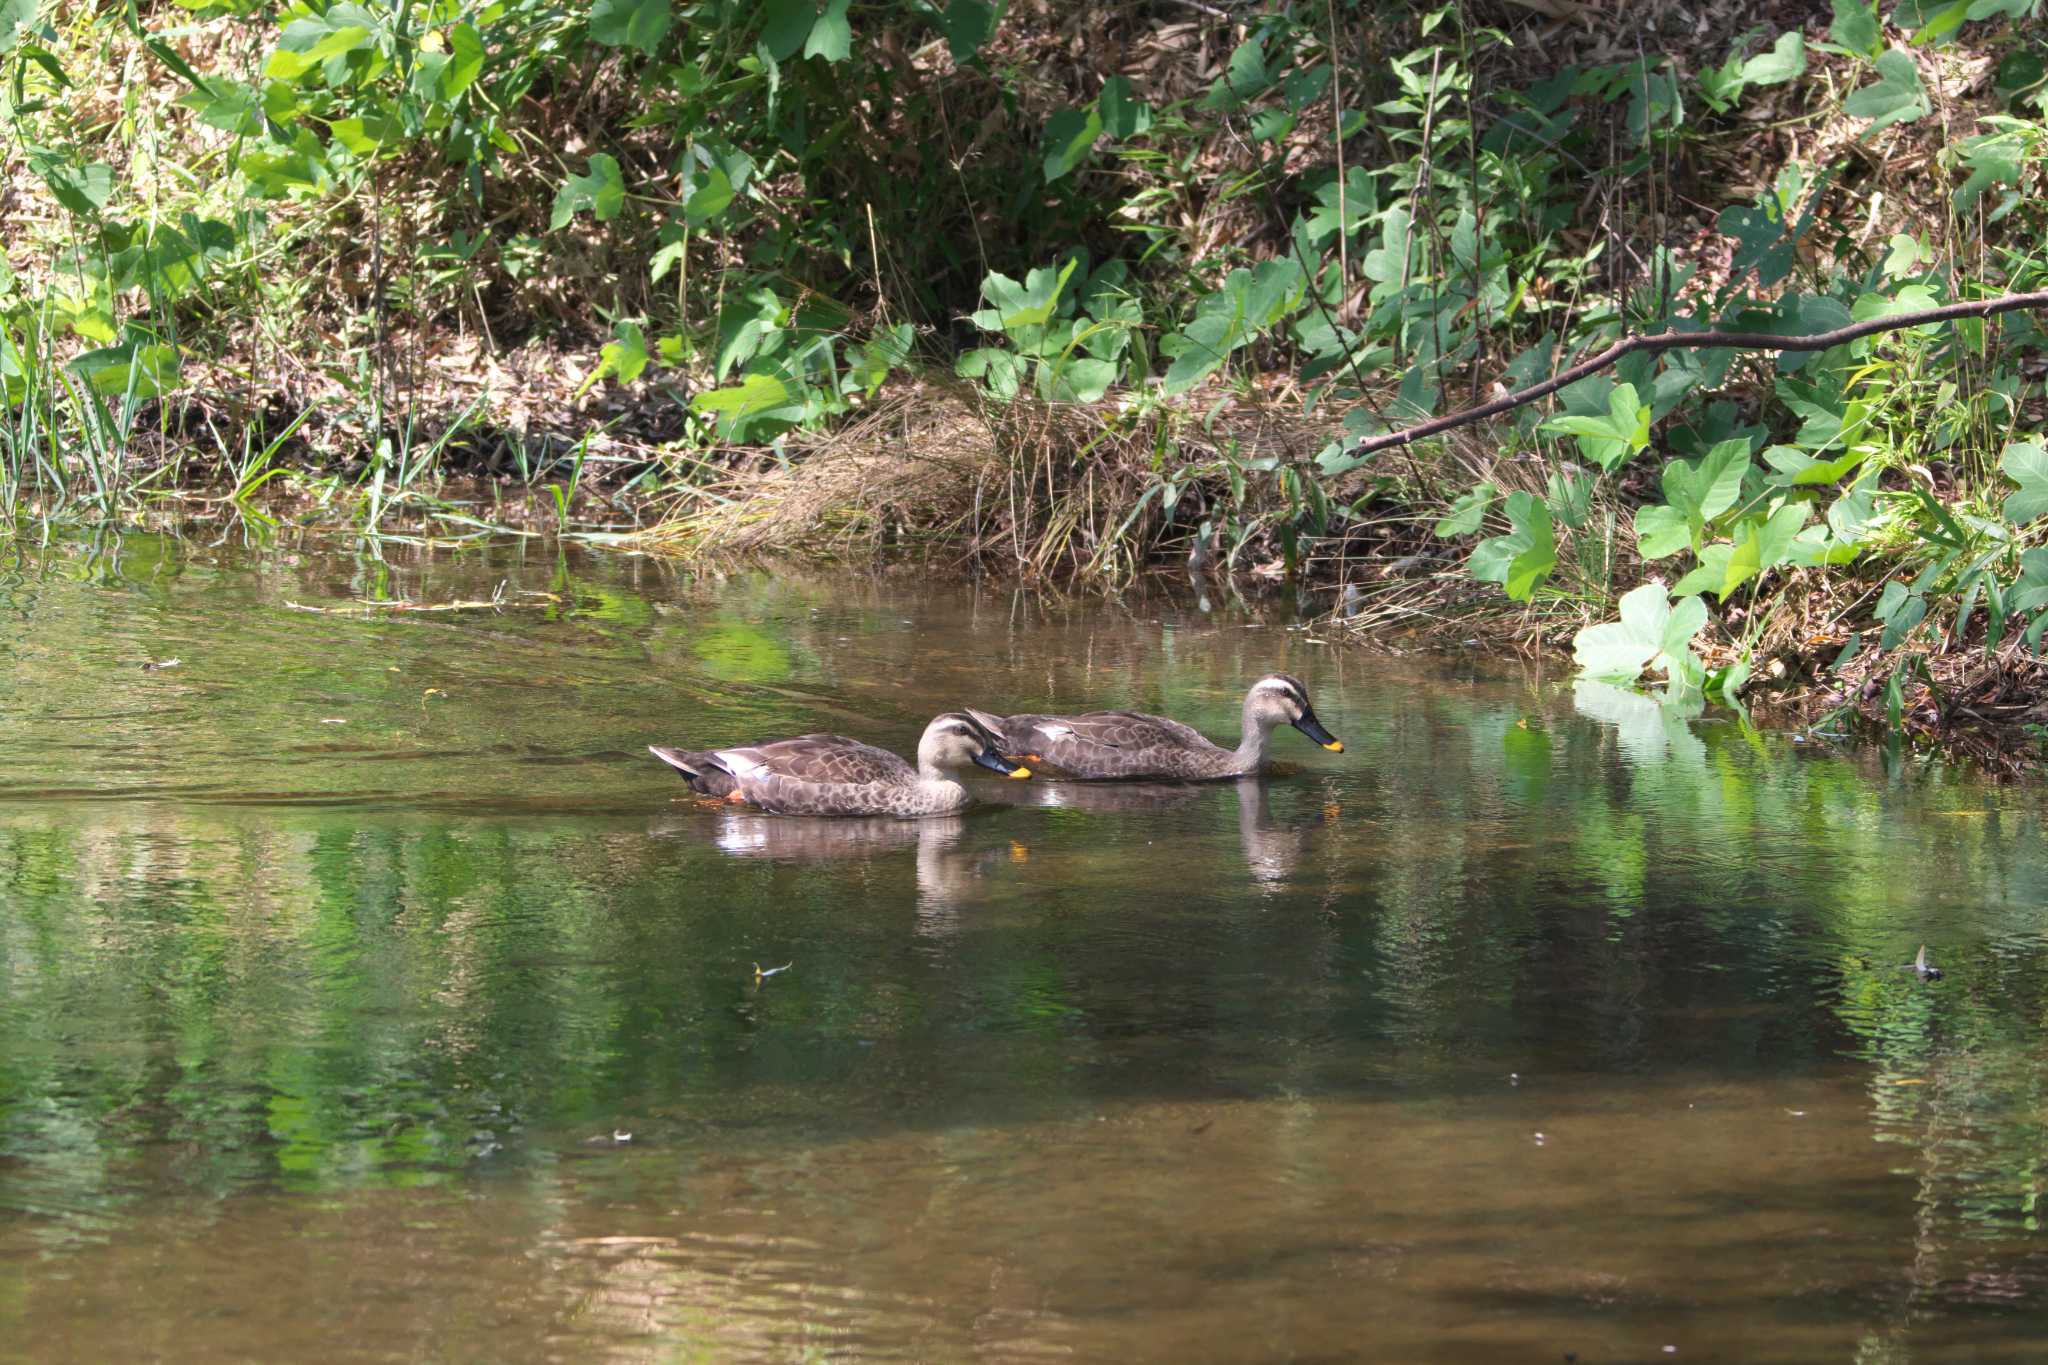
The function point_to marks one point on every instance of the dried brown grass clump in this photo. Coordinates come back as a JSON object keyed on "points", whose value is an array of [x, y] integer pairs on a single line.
{"points": [[1050, 491]]}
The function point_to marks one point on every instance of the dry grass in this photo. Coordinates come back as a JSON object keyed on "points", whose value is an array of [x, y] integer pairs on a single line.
{"points": [[1050, 491]]}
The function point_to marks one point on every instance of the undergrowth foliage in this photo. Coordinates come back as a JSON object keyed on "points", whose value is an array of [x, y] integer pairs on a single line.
{"points": [[244, 224]]}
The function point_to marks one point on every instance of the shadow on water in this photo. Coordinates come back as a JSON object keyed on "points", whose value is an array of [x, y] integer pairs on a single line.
{"points": [[368, 993]]}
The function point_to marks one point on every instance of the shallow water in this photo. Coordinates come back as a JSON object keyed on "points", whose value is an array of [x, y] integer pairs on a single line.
{"points": [[339, 960]]}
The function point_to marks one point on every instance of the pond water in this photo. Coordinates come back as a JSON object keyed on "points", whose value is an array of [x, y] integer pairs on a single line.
{"points": [[368, 993]]}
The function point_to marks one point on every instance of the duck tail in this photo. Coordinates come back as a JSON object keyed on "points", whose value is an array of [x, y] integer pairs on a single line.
{"points": [[705, 774]]}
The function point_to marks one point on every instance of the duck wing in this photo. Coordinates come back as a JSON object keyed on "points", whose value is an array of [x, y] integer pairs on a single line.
{"points": [[819, 760], [1109, 743]]}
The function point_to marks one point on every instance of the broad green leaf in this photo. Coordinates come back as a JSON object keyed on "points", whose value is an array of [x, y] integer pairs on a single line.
{"points": [[1077, 380], [1995, 159], [1661, 531], [755, 393], [1467, 513], [706, 194], [638, 24], [1796, 469], [627, 356], [1711, 570], [832, 36], [1523, 558], [465, 60], [1123, 114], [968, 24], [1652, 632], [139, 368], [1856, 26], [15, 15], [82, 188], [1069, 136], [1761, 543], [1785, 60], [602, 191], [785, 25], [2026, 464], [1897, 96]]}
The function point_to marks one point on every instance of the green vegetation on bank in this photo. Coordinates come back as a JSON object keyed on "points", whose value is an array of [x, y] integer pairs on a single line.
{"points": [[1075, 288]]}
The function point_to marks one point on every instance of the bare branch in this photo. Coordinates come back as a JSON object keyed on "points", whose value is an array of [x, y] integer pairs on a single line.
{"points": [[1668, 341]]}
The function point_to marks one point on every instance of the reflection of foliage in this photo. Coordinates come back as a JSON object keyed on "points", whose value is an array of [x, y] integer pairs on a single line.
{"points": [[742, 653]]}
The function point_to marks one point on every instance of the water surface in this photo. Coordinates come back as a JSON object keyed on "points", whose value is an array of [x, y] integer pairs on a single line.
{"points": [[366, 993]]}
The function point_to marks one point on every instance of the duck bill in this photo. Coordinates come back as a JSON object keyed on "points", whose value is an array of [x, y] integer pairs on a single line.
{"points": [[996, 763], [1313, 728]]}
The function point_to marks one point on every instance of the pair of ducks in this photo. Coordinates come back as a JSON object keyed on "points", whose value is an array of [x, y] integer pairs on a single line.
{"points": [[834, 775]]}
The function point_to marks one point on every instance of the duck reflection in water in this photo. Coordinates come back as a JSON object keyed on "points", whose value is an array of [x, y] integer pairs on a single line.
{"points": [[945, 871], [1272, 850]]}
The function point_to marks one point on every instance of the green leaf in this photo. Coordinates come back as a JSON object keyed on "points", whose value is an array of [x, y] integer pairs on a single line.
{"points": [[753, 395], [1652, 632], [15, 15], [1796, 469], [1701, 490], [1069, 136], [630, 23], [1897, 96], [625, 357], [967, 24], [1523, 558], [81, 188], [1123, 114], [1761, 543], [1611, 439], [2026, 464], [602, 191], [1711, 570], [1786, 60], [1995, 159], [706, 193], [1467, 513], [785, 24], [141, 368], [1661, 531], [832, 36], [465, 60], [1856, 26]]}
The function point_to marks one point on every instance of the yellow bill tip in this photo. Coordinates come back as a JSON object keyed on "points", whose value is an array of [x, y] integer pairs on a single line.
{"points": [[1335, 746], [1020, 772]]}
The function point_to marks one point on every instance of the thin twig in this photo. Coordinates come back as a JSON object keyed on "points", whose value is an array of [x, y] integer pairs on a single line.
{"points": [[1669, 341]]}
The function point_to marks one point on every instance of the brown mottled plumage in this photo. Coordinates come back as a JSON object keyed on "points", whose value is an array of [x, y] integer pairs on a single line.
{"points": [[1131, 744], [834, 775]]}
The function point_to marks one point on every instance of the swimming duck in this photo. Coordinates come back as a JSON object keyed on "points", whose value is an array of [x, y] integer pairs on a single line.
{"points": [[1125, 744], [834, 775]]}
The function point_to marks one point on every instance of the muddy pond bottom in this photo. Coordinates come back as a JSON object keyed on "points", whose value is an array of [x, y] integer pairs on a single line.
{"points": [[367, 993]]}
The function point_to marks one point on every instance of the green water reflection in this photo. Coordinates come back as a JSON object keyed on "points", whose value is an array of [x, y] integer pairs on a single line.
{"points": [[335, 960]]}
